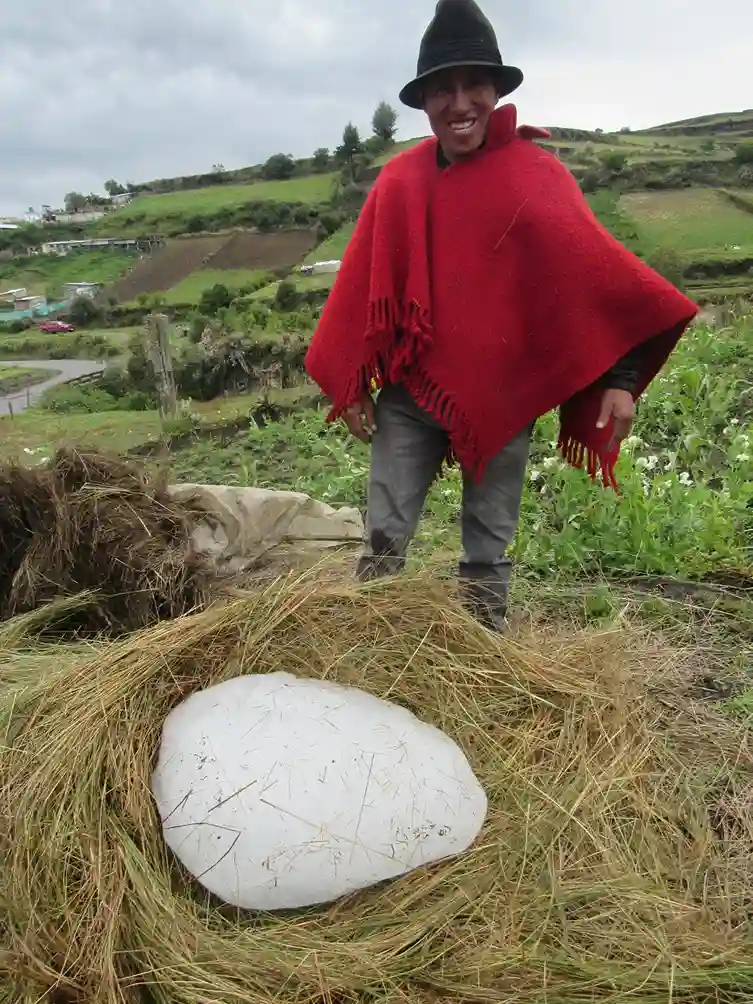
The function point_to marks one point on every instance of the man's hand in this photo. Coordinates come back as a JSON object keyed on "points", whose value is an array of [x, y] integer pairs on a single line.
{"points": [[360, 420], [620, 406]]}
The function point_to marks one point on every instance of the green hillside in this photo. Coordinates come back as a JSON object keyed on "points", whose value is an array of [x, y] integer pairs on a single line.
{"points": [[45, 275]]}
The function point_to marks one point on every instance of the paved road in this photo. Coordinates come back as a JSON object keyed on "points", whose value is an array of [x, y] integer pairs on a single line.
{"points": [[69, 369]]}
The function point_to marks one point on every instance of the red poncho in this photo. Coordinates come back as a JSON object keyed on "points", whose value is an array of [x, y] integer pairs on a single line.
{"points": [[493, 294]]}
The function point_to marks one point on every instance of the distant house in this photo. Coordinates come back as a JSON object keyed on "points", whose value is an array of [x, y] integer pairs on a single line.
{"points": [[31, 303], [121, 200], [11, 295], [320, 268], [63, 247], [73, 289], [8, 226]]}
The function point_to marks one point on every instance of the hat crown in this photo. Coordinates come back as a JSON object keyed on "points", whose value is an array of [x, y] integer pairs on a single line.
{"points": [[459, 30]]}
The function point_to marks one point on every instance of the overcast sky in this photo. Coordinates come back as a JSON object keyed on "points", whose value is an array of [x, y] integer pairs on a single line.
{"points": [[141, 89]]}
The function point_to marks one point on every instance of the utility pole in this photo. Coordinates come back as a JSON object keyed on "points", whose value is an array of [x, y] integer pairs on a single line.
{"points": [[157, 337]]}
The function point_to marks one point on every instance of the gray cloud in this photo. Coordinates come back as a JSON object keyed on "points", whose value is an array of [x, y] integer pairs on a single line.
{"points": [[93, 89]]}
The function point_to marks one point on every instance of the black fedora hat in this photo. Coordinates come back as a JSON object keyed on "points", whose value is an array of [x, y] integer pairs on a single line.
{"points": [[459, 35]]}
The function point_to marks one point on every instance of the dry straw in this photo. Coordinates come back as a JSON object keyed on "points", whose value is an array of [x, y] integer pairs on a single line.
{"points": [[91, 522], [615, 864]]}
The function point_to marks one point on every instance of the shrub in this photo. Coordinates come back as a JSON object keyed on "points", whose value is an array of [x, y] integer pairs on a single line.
{"points": [[744, 153], [279, 167], [85, 313], [287, 297], [214, 299]]}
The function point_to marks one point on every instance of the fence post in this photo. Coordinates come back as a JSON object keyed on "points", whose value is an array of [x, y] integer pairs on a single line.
{"points": [[157, 338]]}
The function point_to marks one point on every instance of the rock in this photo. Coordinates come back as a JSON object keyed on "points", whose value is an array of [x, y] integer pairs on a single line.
{"points": [[280, 793]]}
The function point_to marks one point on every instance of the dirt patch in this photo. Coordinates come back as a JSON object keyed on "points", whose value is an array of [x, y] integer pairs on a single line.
{"points": [[169, 266], [264, 251]]}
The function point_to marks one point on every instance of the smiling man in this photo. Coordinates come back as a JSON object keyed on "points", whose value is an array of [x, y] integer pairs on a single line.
{"points": [[478, 293]]}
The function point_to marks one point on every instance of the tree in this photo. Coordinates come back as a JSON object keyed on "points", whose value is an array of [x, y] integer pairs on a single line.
{"points": [[218, 169], [351, 145], [744, 153], [279, 167], [384, 123], [112, 187], [614, 160], [84, 312], [214, 299], [320, 160], [75, 202]]}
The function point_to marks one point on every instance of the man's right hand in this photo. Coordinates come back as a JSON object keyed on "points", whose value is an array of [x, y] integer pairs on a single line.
{"points": [[360, 419]]}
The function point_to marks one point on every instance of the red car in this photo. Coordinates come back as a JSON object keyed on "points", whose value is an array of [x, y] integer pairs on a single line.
{"points": [[56, 328]]}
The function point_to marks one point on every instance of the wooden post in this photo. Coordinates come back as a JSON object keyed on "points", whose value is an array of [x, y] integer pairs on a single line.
{"points": [[157, 337]]}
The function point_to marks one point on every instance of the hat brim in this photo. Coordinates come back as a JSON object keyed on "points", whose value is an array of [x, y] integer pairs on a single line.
{"points": [[508, 78]]}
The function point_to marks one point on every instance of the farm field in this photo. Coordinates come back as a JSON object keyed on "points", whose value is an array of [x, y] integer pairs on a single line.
{"points": [[149, 210], [46, 274], [333, 248], [631, 635], [687, 474], [190, 289], [84, 344], [698, 223]]}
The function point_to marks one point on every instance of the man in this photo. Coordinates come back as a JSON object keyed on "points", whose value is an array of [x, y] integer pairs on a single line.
{"points": [[478, 293]]}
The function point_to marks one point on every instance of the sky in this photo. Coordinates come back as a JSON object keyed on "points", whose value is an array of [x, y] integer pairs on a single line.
{"points": [[96, 89]]}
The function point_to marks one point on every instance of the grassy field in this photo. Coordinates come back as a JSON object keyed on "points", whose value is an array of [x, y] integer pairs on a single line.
{"points": [[311, 190], [334, 247], [686, 475], [191, 288], [45, 274], [698, 222], [84, 344], [15, 378]]}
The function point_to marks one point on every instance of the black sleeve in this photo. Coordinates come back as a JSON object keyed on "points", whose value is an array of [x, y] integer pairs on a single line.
{"points": [[625, 373]]}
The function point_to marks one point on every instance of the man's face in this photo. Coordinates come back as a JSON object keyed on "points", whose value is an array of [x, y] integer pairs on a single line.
{"points": [[459, 103]]}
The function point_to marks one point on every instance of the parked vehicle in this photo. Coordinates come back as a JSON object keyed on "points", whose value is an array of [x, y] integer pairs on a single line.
{"points": [[55, 328]]}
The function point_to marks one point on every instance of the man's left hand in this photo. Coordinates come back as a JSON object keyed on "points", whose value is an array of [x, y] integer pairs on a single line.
{"points": [[620, 406]]}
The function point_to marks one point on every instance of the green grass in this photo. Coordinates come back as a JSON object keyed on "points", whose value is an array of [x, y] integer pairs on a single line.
{"points": [[16, 378], [82, 344], [191, 288], [406, 144], [334, 247], [697, 222], [46, 274], [35, 433], [686, 505], [311, 190]]}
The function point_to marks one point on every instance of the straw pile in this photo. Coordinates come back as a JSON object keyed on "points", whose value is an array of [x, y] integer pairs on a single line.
{"points": [[91, 522], [615, 862]]}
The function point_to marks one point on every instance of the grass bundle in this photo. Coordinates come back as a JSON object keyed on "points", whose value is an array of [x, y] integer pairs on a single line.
{"points": [[88, 522], [615, 863]]}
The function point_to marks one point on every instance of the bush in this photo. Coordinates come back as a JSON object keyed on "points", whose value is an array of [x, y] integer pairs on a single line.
{"points": [[744, 153], [214, 299], [84, 313], [287, 297], [279, 167], [614, 160], [669, 264], [91, 398]]}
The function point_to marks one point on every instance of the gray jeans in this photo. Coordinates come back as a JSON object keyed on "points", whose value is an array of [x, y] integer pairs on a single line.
{"points": [[406, 456]]}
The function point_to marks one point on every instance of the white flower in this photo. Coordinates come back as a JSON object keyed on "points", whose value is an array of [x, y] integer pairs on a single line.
{"points": [[552, 464], [685, 480], [535, 475], [735, 421], [743, 458], [632, 442]]}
